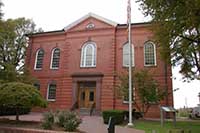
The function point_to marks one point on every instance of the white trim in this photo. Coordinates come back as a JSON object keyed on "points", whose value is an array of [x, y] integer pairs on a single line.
{"points": [[52, 52], [133, 56], [36, 58], [154, 48], [83, 55], [88, 16], [48, 94]]}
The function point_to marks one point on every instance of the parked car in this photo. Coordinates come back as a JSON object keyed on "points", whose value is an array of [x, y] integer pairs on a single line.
{"points": [[195, 113]]}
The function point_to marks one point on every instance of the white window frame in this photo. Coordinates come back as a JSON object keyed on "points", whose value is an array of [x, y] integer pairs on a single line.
{"points": [[36, 58], [36, 83], [154, 49], [52, 53], [133, 56], [83, 55], [51, 100], [133, 97]]}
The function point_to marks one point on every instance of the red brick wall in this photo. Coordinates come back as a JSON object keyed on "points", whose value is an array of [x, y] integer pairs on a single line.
{"points": [[141, 34], [109, 41]]}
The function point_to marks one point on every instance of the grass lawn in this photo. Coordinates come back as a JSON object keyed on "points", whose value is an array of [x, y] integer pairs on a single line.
{"points": [[148, 126]]}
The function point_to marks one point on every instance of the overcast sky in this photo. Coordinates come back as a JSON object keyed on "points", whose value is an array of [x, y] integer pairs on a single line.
{"points": [[56, 14]]}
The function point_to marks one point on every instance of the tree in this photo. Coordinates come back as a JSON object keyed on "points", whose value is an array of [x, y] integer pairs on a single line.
{"points": [[1, 14], [20, 95], [146, 89], [13, 44], [177, 30]]}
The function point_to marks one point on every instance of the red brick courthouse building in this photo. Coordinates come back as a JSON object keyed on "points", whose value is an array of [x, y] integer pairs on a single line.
{"points": [[80, 62]]}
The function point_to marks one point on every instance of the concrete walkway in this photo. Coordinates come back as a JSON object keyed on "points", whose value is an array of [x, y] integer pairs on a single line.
{"points": [[90, 124], [94, 124]]}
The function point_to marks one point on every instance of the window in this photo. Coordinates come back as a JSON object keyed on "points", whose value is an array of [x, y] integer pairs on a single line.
{"points": [[126, 52], [51, 94], [37, 85], [39, 59], [88, 55], [55, 58], [91, 96], [149, 54], [126, 95]]}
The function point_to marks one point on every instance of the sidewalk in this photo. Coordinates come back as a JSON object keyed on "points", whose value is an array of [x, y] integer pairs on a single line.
{"points": [[90, 124], [94, 124]]}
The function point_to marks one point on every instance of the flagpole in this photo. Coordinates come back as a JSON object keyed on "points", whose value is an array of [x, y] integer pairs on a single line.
{"points": [[130, 63]]}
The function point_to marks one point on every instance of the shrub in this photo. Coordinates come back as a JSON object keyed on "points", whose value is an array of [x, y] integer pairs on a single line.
{"points": [[71, 125], [68, 120], [126, 113], [17, 95], [118, 116], [183, 112], [48, 120], [179, 131], [135, 115], [4, 110], [65, 119]]}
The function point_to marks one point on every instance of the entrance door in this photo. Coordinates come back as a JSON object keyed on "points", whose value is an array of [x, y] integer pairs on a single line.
{"points": [[86, 97]]}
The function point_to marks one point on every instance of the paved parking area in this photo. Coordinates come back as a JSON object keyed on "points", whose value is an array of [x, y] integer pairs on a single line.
{"points": [[90, 124]]}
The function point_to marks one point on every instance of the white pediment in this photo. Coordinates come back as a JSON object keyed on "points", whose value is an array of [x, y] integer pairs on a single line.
{"points": [[90, 15]]}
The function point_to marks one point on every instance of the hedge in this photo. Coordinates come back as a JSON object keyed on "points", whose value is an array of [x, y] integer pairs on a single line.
{"points": [[135, 115], [179, 131], [118, 116], [11, 111]]}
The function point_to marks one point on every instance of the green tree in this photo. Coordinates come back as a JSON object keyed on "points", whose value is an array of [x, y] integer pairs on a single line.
{"points": [[177, 30], [20, 95], [13, 44], [146, 90], [1, 14]]}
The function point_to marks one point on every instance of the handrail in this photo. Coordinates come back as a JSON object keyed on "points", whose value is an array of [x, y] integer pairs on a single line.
{"points": [[74, 106], [92, 109]]}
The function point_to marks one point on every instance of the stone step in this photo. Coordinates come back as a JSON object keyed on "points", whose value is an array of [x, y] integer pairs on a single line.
{"points": [[86, 111]]}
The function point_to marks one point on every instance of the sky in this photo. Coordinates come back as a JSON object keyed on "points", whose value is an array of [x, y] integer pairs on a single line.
{"points": [[56, 14]]}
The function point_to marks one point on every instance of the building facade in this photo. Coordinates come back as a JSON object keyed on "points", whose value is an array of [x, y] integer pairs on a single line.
{"points": [[79, 63]]}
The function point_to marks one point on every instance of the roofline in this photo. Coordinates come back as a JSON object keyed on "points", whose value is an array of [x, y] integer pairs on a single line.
{"points": [[45, 33], [63, 30], [87, 16], [135, 24]]}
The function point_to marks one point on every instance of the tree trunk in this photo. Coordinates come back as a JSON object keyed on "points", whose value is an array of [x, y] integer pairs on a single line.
{"points": [[17, 114]]}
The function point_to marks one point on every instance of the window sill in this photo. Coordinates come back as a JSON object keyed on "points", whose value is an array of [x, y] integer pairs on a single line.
{"points": [[37, 69], [87, 67], [150, 65], [54, 68], [51, 100], [128, 66]]}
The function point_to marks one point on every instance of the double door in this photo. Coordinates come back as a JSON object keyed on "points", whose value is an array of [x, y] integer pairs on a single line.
{"points": [[86, 97]]}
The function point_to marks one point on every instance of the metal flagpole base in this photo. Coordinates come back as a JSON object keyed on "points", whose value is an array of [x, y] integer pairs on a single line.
{"points": [[130, 124]]}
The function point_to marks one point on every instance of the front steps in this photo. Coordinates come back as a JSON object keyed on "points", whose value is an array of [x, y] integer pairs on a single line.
{"points": [[86, 111]]}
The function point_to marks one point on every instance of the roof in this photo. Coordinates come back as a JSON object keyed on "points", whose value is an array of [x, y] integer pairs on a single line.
{"points": [[135, 24], [112, 23], [88, 16], [46, 33]]}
